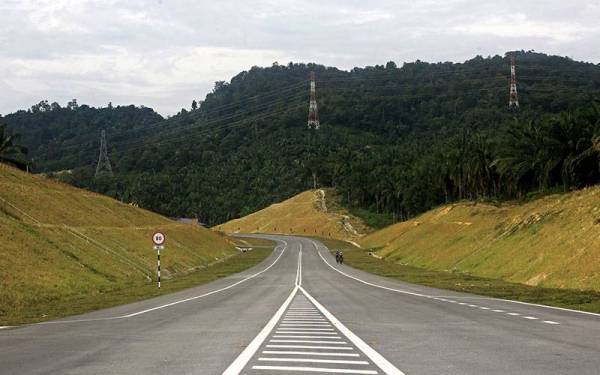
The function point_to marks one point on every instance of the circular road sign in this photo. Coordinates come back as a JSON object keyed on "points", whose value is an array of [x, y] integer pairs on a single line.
{"points": [[158, 238]]}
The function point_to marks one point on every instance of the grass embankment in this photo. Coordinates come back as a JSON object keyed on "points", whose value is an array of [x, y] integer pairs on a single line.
{"points": [[551, 242], [313, 212], [567, 298], [66, 251]]}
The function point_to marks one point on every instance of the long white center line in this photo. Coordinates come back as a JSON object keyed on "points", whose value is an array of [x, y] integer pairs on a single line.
{"points": [[308, 331], [240, 362]]}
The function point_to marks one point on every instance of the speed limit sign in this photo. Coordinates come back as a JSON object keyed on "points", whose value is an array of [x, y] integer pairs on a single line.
{"points": [[158, 238]]}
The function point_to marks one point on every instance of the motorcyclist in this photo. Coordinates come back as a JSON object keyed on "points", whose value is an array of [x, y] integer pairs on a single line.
{"points": [[341, 261], [337, 256]]}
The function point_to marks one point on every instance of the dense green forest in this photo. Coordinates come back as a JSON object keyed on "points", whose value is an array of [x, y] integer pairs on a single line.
{"points": [[63, 137], [394, 141]]}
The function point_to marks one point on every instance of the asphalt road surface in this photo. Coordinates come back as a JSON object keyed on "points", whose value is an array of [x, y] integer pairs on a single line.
{"points": [[299, 312]]}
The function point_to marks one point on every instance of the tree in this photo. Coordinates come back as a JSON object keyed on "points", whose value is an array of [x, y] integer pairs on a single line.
{"points": [[9, 150], [394, 141], [194, 105], [72, 105]]}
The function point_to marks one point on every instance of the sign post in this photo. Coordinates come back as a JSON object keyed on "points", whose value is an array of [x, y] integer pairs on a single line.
{"points": [[159, 239]]}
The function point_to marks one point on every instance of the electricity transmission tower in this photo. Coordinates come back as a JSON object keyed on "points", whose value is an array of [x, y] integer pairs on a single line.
{"points": [[513, 101], [103, 168], [313, 113]]}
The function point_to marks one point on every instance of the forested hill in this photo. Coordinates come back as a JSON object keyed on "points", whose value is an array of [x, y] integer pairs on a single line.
{"points": [[63, 137], [393, 140]]}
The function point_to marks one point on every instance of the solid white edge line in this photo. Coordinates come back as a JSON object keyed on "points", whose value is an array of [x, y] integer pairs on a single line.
{"points": [[377, 358], [366, 282], [209, 293], [300, 265], [481, 297], [297, 281], [172, 303], [242, 360]]}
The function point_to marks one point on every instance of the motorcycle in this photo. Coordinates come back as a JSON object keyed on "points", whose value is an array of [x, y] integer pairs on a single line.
{"points": [[339, 258]]}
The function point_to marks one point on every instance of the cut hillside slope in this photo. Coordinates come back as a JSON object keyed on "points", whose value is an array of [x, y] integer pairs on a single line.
{"points": [[60, 242], [313, 212], [552, 242]]}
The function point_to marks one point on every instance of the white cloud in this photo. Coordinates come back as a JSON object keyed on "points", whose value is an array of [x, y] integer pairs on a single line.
{"points": [[521, 26], [164, 53], [114, 71]]}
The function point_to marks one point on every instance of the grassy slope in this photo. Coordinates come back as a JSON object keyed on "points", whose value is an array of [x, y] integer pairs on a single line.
{"points": [[551, 242], [586, 300], [302, 214], [61, 244]]}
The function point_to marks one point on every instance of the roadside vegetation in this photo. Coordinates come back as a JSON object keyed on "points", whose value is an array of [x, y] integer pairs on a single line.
{"points": [[552, 241], [66, 251], [313, 212], [10, 150], [48, 308], [585, 300], [395, 140]]}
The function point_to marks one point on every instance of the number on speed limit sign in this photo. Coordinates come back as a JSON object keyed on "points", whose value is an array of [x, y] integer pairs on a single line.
{"points": [[158, 238]]}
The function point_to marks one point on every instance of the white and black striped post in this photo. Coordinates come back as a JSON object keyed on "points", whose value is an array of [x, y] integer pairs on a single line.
{"points": [[158, 264], [158, 239]]}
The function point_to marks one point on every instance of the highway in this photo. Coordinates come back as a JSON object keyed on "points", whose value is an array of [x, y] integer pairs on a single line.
{"points": [[299, 312]]}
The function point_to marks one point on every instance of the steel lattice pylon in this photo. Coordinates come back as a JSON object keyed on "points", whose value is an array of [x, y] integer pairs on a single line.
{"points": [[513, 101], [103, 168], [313, 113]]}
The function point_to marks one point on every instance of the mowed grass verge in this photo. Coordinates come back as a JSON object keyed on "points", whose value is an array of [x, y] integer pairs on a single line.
{"points": [[566, 298], [313, 212], [63, 306], [550, 242], [66, 251]]}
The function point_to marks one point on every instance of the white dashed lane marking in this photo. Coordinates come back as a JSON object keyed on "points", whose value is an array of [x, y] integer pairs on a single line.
{"points": [[442, 299]]}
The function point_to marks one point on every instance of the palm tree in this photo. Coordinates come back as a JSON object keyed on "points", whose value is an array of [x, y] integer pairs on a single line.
{"points": [[9, 150]]}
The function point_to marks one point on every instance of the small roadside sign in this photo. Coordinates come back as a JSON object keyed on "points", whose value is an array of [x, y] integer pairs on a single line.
{"points": [[158, 238]]}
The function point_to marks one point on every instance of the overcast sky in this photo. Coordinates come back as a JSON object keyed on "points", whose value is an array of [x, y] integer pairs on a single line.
{"points": [[164, 53]]}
